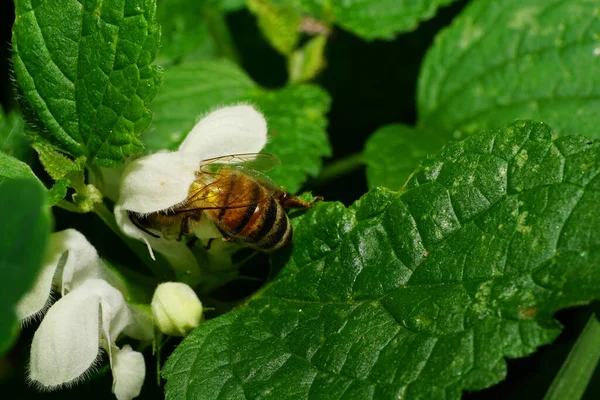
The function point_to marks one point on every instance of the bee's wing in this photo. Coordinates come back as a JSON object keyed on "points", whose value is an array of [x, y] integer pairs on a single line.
{"points": [[216, 177], [246, 162]]}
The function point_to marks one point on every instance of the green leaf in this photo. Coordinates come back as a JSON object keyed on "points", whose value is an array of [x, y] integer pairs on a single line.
{"points": [[369, 19], [577, 370], [514, 59], [56, 164], [296, 115], [185, 29], [279, 23], [305, 63], [393, 152], [12, 139], [88, 82], [25, 227], [12, 168], [231, 5], [420, 294]]}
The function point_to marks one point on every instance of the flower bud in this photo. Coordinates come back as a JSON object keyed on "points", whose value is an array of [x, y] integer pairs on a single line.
{"points": [[176, 308]]}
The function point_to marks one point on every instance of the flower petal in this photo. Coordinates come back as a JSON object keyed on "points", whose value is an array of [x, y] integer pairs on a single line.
{"points": [[72, 259], [157, 182], [82, 261], [229, 130], [66, 344], [177, 253], [129, 371]]}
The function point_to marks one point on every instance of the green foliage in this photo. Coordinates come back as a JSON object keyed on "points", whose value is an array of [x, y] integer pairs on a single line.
{"points": [[296, 114], [186, 29], [509, 59], [12, 140], [11, 168], [26, 224], [375, 19], [88, 82], [279, 23], [394, 151], [576, 372], [57, 165], [420, 294], [305, 63], [456, 259]]}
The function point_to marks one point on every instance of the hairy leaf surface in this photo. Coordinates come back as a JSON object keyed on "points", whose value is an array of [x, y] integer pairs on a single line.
{"points": [[84, 68], [295, 115], [420, 294], [515, 59]]}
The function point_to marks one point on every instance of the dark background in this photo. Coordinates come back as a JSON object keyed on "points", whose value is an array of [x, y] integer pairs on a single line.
{"points": [[371, 84]]}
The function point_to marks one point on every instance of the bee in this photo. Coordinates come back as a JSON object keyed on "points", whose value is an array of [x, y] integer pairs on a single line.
{"points": [[233, 193]]}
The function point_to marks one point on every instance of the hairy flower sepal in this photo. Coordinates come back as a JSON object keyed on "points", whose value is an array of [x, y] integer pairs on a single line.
{"points": [[161, 181], [176, 308]]}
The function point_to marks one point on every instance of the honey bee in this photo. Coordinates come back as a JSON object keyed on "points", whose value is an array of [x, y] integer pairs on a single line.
{"points": [[233, 193]]}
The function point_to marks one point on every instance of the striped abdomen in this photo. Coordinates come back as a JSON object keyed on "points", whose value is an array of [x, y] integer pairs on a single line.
{"points": [[262, 224]]}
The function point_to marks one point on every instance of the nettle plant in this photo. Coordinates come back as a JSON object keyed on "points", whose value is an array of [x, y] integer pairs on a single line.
{"points": [[481, 220]]}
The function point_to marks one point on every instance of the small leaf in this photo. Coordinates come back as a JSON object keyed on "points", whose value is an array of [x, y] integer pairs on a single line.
{"points": [[371, 19], [56, 164], [296, 115], [420, 294], [25, 227], [305, 63], [12, 168], [279, 23], [12, 139], [514, 59], [383, 19], [393, 152], [88, 82]]}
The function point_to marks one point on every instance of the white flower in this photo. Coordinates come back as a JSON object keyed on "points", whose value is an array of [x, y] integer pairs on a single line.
{"points": [[176, 308], [69, 260], [160, 181], [91, 314]]}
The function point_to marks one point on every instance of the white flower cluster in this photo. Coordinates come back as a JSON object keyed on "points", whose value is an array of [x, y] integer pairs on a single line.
{"points": [[161, 181], [91, 314]]}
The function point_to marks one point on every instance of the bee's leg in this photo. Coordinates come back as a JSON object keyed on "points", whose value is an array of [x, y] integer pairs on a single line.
{"points": [[192, 241], [185, 228], [290, 201], [207, 246]]}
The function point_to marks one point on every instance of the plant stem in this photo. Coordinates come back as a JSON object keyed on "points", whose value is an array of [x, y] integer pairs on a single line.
{"points": [[67, 205], [338, 168], [160, 269], [576, 372]]}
